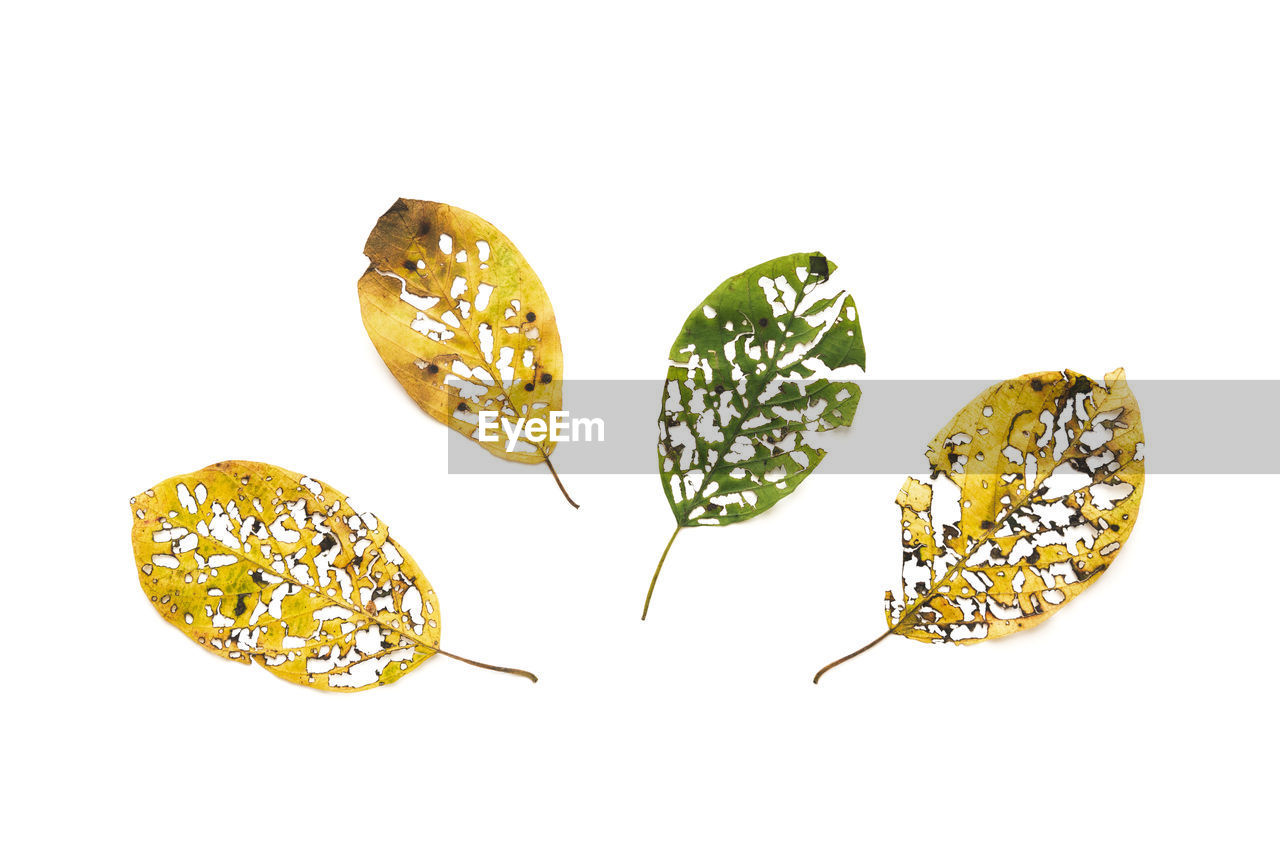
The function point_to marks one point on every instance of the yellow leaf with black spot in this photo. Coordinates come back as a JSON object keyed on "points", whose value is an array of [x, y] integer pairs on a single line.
{"points": [[257, 563], [1043, 475], [464, 325]]}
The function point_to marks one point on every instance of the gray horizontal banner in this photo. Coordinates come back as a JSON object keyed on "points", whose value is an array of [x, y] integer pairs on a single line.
{"points": [[1190, 427]]}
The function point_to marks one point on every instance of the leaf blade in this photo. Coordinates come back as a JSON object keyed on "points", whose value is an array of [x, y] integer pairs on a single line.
{"points": [[1061, 461], [462, 321], [747, 356], [257, 563]]}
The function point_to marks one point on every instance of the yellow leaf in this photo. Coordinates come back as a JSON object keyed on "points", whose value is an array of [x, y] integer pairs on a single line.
{"points": [[464, 324], [256, 563], [1044, 475]]}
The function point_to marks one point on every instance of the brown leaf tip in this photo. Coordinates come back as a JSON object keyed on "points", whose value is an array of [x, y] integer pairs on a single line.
{"points": [[406, 222]]}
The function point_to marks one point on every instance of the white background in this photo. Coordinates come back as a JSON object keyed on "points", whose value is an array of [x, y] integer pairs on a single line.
{"points": [[1006, 187]]}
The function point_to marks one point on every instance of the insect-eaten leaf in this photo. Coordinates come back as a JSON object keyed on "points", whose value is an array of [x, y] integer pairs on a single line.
{"points": [[751, 382], [1035, 487], [256, 563], [464, 324]]}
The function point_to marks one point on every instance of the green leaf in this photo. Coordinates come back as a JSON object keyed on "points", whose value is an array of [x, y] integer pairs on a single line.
{"points": [[749, 385]]}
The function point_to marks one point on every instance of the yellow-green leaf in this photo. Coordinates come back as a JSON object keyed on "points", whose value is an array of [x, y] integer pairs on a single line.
{"points": [[257, 563], [750, 385], [463, 322], [1035, 488]]}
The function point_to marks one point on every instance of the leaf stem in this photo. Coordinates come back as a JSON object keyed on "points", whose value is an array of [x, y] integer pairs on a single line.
{"points": [[563, 491], [511, 671], [654, 582], [836, 663]]}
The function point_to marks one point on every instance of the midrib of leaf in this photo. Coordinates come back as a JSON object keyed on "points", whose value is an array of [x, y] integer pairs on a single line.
{"points": [[364, 616], [367, 617], [723, 465], [462, 321], [963, 563], [346, 668]]}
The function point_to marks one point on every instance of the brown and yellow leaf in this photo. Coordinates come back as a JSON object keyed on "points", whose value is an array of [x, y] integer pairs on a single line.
{"points": [[1035, 488], [257, 563], [462, 321]]}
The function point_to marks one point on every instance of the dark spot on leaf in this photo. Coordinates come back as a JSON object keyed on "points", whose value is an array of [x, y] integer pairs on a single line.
{"points": [[546, 378], [412, 266], [719, 389], [240, 605], [433, 368], [531, 316], [818, 266], [764, 321], [987, 525], [528, 386], [463, 407], [1037, 385]]}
